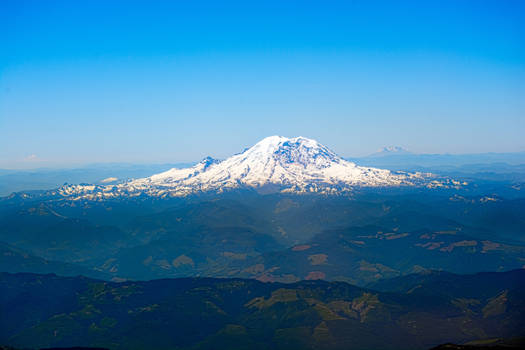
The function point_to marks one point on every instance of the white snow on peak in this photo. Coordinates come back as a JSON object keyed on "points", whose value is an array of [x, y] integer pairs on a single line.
{"points": [[176, 174], [390, 150], [276, 163]]}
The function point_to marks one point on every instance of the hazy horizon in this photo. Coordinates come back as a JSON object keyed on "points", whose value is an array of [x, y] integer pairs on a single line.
{"points": [[95, 82], [43, 164]]}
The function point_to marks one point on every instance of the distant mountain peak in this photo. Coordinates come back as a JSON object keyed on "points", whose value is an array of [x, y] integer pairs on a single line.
{"points": [[276, 163], [394, 149], [390, 150]]}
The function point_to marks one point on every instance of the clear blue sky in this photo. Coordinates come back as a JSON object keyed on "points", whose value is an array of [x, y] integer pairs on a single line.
{"points": [[170, 81]]}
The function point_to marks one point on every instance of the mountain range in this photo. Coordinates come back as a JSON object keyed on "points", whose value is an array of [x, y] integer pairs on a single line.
{"points": [[275, 164], [466, 167]]}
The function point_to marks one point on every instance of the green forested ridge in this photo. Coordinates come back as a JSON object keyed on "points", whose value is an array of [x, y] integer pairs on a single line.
{"points": [[205, 313], [360, 239]]}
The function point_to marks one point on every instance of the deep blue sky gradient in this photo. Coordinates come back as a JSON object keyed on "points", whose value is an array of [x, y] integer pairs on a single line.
{"points": [[155, 81]]}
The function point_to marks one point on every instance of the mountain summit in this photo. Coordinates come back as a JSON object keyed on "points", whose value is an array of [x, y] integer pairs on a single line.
{"points": [[390, 151], [276, 164]]}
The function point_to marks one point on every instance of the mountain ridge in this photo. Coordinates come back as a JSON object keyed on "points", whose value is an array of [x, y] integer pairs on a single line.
{"points": [[211, 313]]}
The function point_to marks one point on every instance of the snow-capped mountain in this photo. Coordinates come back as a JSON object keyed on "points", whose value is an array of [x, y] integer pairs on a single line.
{"points": [[390, 151], [277, 164]]}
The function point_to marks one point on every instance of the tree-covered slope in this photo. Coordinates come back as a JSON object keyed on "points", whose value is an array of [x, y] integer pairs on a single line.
{"points": [[190, 313]]}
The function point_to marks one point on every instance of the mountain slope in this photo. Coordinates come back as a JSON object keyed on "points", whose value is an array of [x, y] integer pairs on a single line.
{"points": [[298, 163], [15, 260], [195, 313], [446, 284], [360, 255]]}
